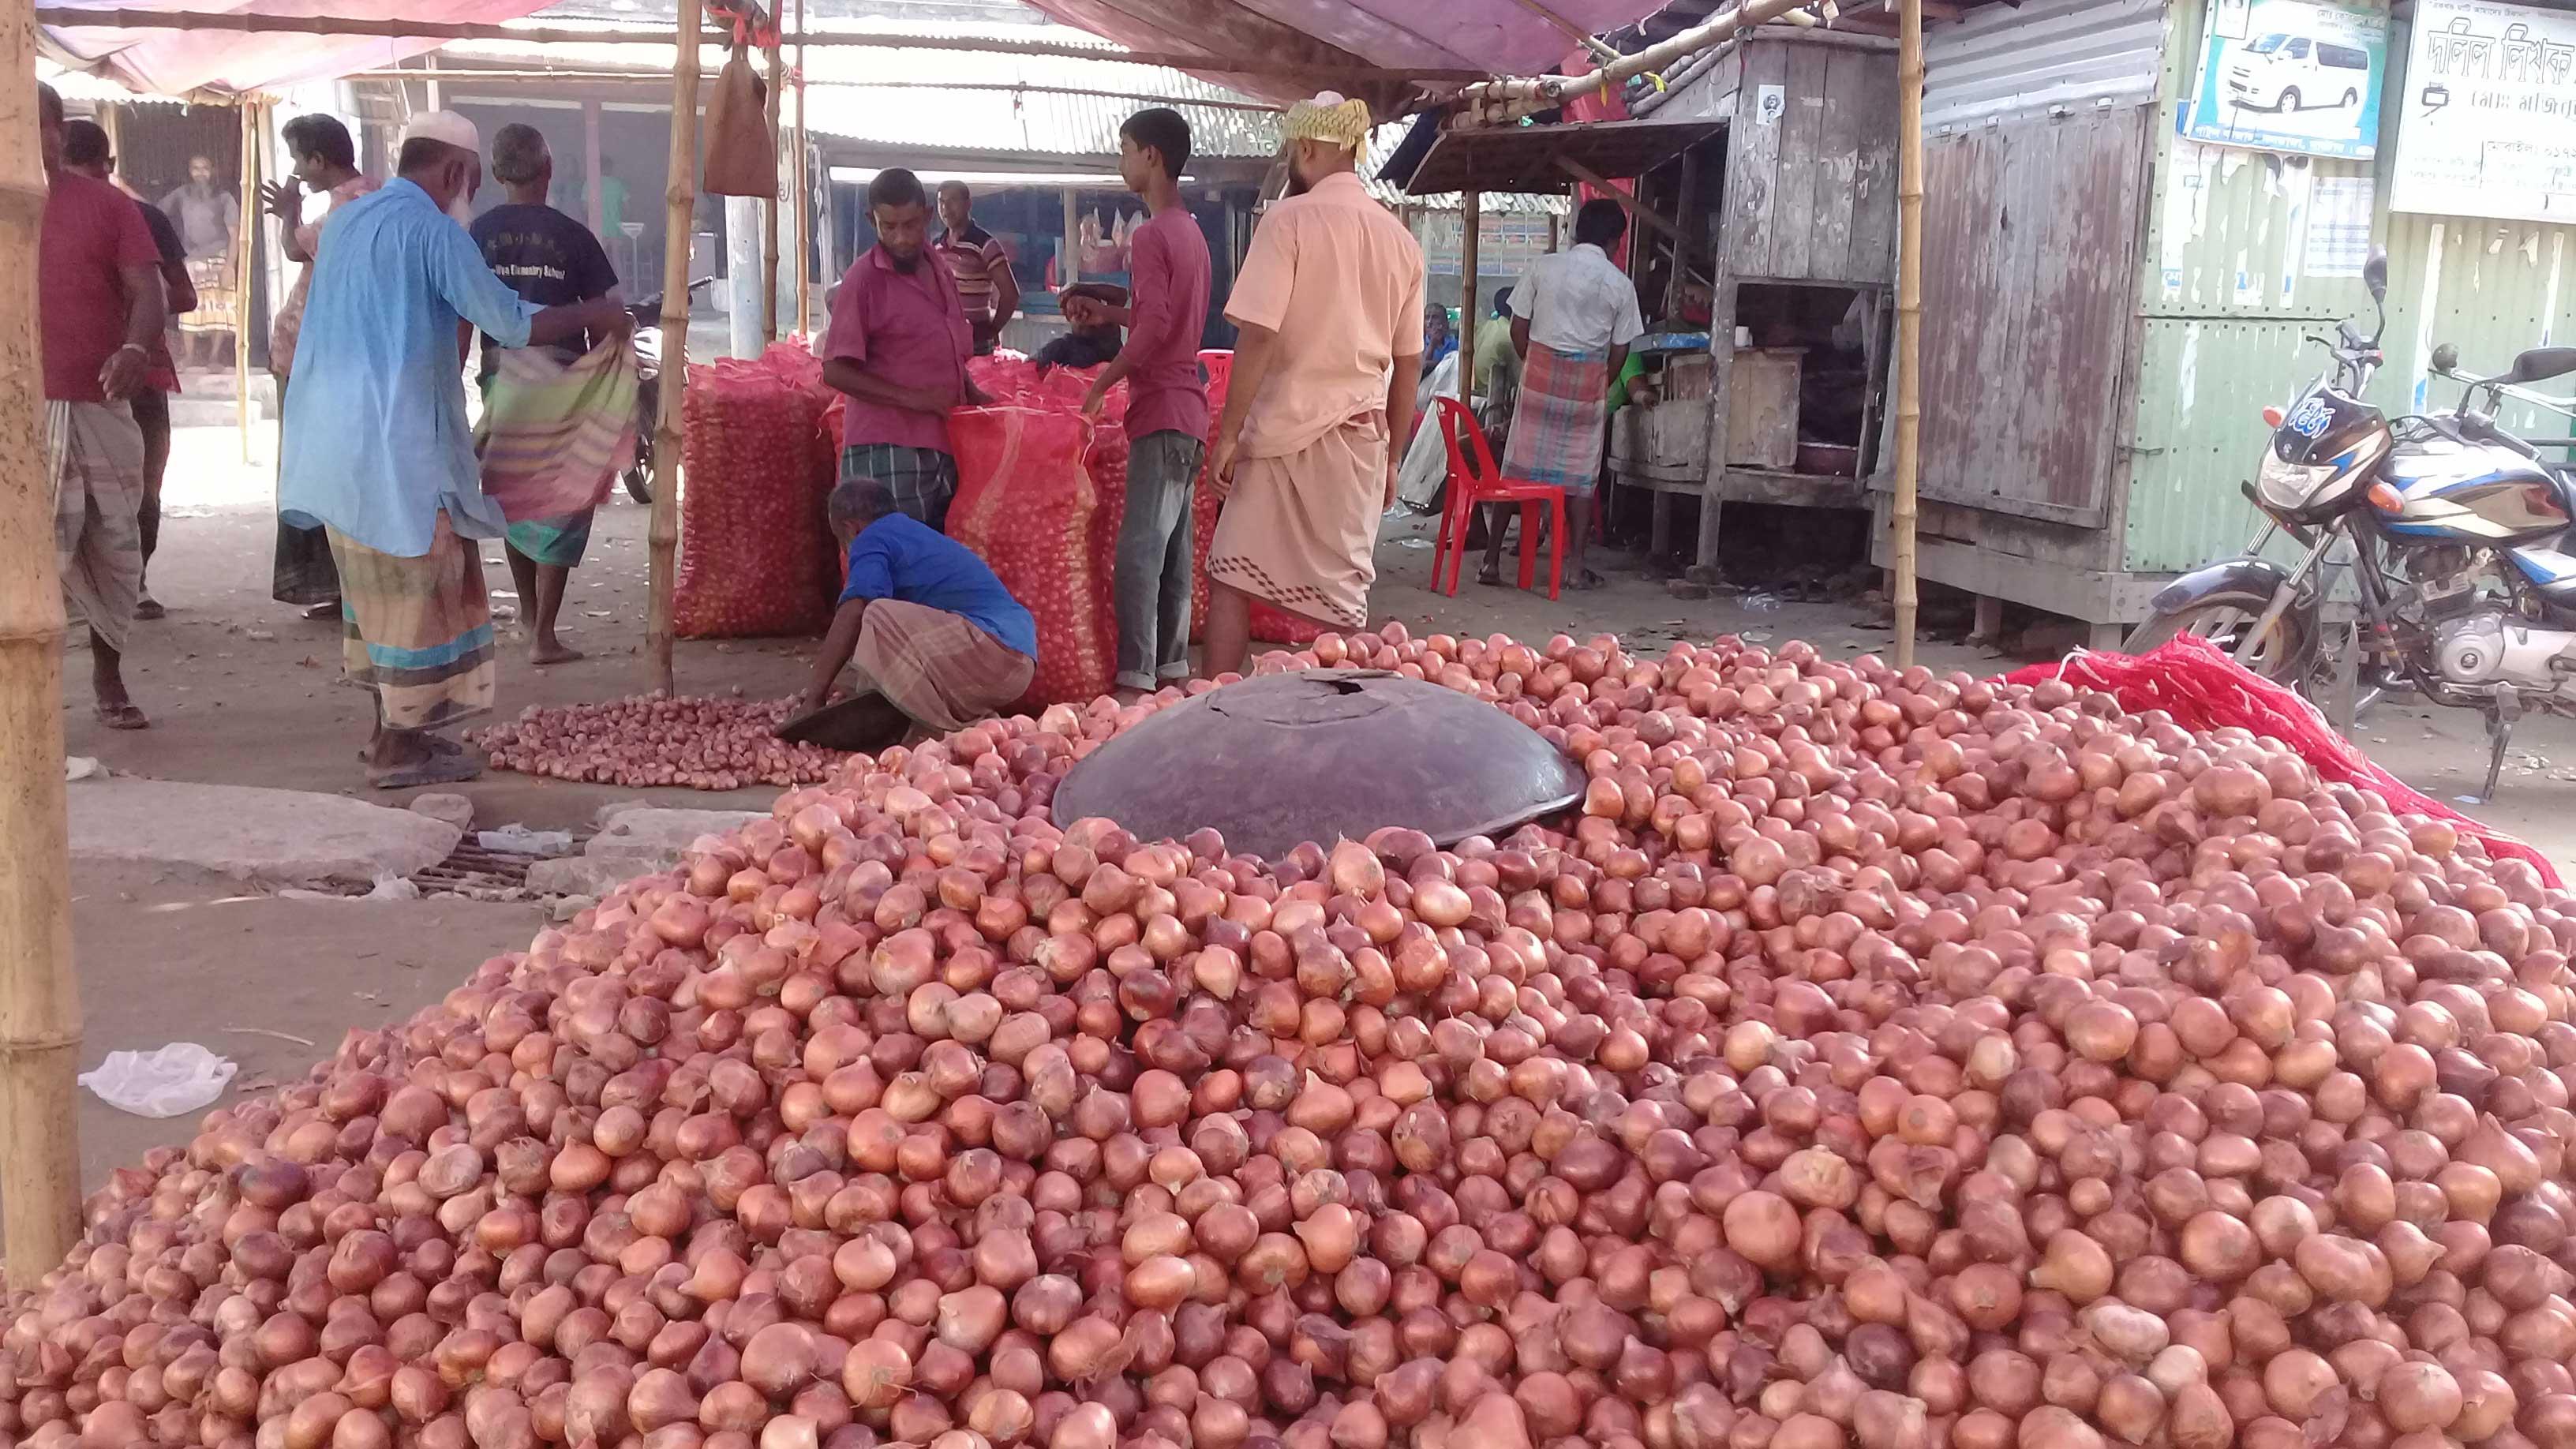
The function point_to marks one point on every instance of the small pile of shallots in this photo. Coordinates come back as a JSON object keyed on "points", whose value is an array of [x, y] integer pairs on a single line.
{"points": [[1879, 1060], [657, 739]]}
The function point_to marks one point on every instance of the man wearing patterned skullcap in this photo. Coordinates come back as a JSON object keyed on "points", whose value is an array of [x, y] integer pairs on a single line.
{"points": [[1329, 303]]}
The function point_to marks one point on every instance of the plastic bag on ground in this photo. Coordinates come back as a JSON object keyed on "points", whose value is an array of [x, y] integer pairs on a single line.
{"points": [[174, 1081], [755, 549], [2203, 688]]}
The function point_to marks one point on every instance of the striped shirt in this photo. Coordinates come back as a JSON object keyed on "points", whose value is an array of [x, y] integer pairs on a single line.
{"points": [[974, 259]]}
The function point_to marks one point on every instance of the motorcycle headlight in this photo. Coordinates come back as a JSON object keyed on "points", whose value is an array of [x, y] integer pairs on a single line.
{"points": [[2289, 485]]}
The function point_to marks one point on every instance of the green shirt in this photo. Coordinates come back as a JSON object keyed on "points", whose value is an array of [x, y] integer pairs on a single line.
{"points": [[1629, 371], [1493, 346], [612, 205]]}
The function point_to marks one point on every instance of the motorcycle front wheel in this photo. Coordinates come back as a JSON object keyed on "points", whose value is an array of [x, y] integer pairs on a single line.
{"points": [[2280, 655]]}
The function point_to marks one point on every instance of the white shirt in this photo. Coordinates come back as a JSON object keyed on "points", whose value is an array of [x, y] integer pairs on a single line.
{"points": [[1578, 301]]}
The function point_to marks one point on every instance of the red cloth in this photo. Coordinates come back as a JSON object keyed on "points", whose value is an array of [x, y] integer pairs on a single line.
{"points": [[906, 327], [2203, 689], [91, 230], [1169, 280]]}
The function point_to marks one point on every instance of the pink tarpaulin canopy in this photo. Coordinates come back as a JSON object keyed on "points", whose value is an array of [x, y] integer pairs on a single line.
{"points": [[222, 62], [1485, 37]]}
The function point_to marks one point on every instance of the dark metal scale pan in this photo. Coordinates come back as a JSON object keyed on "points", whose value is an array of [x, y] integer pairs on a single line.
{"points": [[1280, 759]]}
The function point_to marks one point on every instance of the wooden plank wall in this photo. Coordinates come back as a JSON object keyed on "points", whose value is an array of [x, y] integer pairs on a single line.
{"points": [[1812, 195], [2031, 231]]}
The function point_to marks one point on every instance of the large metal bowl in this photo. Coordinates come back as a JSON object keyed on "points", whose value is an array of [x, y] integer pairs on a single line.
{"points": [[1279, 759]]}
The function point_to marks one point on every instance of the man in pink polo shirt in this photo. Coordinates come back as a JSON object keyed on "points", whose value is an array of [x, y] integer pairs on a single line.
{"points": [[897, 347], [1167, 410]]}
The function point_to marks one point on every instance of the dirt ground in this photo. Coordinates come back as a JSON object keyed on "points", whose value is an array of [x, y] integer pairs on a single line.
{"points": [[241, 691]]}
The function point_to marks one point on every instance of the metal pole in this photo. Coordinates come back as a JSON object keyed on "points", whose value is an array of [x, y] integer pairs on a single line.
{"points": [[40, 1019], [242, 243], [769, 216], [1909, 316], [1071, 271], [804, 198], [1471, 221], [593, 204], [680, 199]]}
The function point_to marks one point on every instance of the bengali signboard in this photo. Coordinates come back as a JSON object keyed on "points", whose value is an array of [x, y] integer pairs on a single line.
{"points": [[2487, 124], [2287, 75]]}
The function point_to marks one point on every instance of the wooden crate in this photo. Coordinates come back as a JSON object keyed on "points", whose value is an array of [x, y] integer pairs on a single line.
{"points": [[1762, 407]]}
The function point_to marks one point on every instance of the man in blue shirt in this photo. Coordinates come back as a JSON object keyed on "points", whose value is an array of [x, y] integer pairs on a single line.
{"points": [[925, 619], [377, 451]]}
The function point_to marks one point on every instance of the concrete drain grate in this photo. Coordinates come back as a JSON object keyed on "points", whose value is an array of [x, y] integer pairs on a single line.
{"points": [[472, 871]]}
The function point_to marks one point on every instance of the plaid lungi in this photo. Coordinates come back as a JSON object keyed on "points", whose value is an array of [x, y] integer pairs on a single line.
{"points": [[94, 462], [418, 631], [559, 542], [1558, 426], [922, 479], [936, 666]]}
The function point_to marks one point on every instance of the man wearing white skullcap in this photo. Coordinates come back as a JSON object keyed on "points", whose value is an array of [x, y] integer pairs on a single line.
{"points": [[1329, 303], [377, 451]]}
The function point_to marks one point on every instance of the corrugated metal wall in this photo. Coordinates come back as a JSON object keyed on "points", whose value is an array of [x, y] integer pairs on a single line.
{"points": [[2007, 60], [2235, 275]]}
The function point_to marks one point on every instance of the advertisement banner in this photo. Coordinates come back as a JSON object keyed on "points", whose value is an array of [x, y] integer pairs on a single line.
{"points": [[2487, 126], [2286, 75]]}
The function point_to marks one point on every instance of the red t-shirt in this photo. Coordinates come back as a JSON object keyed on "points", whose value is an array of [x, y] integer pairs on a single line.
{"points": [[1169, 277], [908, 328], [91, 230]]}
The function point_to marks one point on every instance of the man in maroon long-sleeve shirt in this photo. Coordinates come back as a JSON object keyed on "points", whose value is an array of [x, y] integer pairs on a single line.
{"points": [[1167, 409]]}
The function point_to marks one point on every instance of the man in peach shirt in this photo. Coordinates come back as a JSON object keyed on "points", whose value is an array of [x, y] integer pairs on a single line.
{"points": [[1329, 302]]}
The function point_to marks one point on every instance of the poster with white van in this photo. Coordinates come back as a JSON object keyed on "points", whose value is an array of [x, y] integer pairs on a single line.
{"points": [[2285, 75], [2487, 123]]}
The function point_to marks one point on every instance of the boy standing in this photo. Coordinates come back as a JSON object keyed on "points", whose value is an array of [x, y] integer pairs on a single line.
{"points": [[1167, 409]]}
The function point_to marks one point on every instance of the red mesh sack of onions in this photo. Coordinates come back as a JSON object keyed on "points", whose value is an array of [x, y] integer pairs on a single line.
{"points": [[1875, 1059], [1027, 505], [754, 544]]}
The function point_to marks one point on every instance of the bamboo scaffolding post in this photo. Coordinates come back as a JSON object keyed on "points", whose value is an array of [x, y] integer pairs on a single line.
{"points": [[245, 251], [1901, 508], [119, 18], [1471, 224], [769, 214], [680, 202], [803, 199], [40, 1018]]}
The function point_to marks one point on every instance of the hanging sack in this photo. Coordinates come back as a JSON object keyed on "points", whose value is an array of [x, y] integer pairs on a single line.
{"points": [[741, 159]]}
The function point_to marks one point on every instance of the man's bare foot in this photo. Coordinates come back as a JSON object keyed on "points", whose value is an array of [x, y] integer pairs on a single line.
{"points": [[552, 651], [149, 607], [121, 714]]}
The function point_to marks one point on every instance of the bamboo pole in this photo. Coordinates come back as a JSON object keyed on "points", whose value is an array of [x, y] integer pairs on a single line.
{"points": [[119, 18], [1901, 509], [40, 1019], [803, 199], [1471, 223], [1490, 100], [769, 217], [244, 242], [680, 203]]}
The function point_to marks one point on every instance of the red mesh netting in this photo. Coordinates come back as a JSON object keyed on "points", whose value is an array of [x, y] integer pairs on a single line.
{"points": [[755, 551], [1027, 505], [2192, 680]]}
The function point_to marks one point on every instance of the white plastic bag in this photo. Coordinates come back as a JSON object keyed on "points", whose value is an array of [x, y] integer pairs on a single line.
{"points": [[520, 840], [172, 1082]]}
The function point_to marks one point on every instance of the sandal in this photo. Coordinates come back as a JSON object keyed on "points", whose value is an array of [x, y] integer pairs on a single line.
{"points": [[1585, 580], [122, 716], [436, 770], [330, 610], [149, 608], [438, 745]]}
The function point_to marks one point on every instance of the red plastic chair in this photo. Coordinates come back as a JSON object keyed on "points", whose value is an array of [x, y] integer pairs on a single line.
{"points": [[1474, 479], [1219, 363]]}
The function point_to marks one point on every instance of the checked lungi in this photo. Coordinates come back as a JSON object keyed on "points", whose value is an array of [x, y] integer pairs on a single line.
{"points": [[923, 480], [94, 461], [1561, 420], [418, 631], [936, 666]]}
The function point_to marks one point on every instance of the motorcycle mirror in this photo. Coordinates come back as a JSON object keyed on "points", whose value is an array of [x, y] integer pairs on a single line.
{"points": [[2445, 358], [2374, 274]]}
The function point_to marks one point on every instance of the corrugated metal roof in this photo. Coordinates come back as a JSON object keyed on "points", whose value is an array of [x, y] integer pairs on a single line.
{"points": [[1067, 106], [2008, 60], [1382, 144]]}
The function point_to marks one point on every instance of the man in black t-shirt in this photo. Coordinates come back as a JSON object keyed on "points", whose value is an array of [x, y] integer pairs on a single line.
{"points": [[550, 259]]}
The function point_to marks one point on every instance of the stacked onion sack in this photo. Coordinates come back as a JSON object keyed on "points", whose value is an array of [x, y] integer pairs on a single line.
{"points": [[1882, 1060]]}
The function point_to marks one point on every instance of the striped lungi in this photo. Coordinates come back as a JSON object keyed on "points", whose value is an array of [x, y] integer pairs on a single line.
{"points": [[418, 630], [938, 667], [553, 436], [559, 542], [1559, 425], [923, 480], [94, 461]]}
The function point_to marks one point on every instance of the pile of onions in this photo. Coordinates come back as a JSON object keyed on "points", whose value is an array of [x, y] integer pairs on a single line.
{"points": [[1879, 1060], [656, 739]]}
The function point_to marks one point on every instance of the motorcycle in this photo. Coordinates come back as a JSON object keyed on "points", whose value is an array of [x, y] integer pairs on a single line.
{"points": [[2453, 532], [647, 312]]}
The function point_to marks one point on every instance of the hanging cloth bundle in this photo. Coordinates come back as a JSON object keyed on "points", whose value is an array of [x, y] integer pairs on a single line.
{"points": [[742, 157]]}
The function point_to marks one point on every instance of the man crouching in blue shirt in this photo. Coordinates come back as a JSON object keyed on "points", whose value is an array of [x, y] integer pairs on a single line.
{"points": [[922, 617]]}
